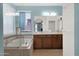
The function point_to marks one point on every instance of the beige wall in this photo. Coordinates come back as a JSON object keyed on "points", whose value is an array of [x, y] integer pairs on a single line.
{"points": [[68, 29]]}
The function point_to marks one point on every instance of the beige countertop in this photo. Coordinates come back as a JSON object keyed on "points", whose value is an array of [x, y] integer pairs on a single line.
{"points": [[38, 33]]}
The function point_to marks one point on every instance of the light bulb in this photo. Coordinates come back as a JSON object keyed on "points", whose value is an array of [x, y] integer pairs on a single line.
{"points": [[53, 14], [45, 13]]}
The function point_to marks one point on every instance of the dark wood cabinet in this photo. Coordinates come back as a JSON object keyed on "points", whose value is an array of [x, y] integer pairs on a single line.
{"points": [[37, 42], [54, 41], [60, 41], [57, 41], [48, 41]]}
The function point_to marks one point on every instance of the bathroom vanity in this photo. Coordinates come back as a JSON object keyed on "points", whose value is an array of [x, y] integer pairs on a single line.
{"points": [[48, 41], [48, 32]]}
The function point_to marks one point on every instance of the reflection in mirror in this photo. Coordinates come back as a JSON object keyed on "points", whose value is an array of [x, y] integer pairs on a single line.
{"points": [[38, 26], [52, 26]]}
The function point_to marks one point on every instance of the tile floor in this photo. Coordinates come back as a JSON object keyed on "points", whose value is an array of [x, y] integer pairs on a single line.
{"points": [[48, 52]]}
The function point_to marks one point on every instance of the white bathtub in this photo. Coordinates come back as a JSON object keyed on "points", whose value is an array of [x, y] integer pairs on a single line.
{"points": [[19, 46], [19, 42]]}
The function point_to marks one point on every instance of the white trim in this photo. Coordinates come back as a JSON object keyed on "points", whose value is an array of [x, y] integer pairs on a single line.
{"points": [[37, 4]]}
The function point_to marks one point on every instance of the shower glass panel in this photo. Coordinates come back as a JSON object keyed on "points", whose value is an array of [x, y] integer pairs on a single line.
{"points": [[25, 21], [22, 20]]}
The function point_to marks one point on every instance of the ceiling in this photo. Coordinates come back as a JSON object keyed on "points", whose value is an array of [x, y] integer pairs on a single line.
{"points": [[37, 4]]}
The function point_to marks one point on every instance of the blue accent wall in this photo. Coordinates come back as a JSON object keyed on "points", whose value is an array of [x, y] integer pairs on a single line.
{"points": [[76, 11], [37, 10], [1, 30]]}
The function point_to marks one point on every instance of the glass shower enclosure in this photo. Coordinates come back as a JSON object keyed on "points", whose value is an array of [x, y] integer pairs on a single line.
{"points": [[20, 44]]}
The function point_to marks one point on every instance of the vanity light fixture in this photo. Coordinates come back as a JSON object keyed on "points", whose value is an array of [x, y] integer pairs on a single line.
{"points": [[49, 14], [45, 13], [53, 14]]}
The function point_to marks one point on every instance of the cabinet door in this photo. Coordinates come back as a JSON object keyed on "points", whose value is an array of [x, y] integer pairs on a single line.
{"points": [[60, 43], [37, 42], [46, 41], [56, 42]]}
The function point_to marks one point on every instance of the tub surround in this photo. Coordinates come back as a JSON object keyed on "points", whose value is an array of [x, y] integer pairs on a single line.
{"points": [[23, 51], [20, 43], [9, 36], [18, 46], [13, 41]]}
